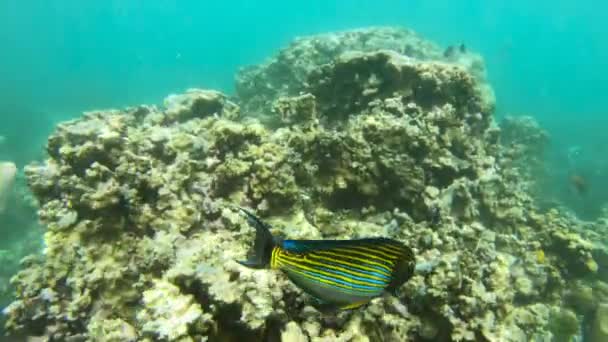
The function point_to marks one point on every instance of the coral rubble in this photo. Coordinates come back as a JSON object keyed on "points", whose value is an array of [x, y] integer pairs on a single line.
{"points": [[373, 133]]}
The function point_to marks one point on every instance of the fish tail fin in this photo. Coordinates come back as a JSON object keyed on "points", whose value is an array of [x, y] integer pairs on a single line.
{"points": [[263, 245]]}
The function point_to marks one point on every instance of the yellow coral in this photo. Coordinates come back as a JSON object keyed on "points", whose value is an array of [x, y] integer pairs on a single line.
{"points": [[540, 256], [591, 265]]}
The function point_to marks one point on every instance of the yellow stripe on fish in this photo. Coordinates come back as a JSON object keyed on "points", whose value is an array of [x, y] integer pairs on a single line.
{"points": [[352, 271], [323, 277], [340, 273], [302, 263], [355, 269], [374, 256], [379, 253], [361, 264], [386, 268]]}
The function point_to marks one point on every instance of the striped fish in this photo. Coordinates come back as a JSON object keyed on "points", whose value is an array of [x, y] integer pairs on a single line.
{"points": [[342, 274]]}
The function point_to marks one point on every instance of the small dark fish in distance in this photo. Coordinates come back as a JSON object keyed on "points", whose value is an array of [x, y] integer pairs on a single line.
{"points": [[339, 274], [579, 183], [449, 51]]}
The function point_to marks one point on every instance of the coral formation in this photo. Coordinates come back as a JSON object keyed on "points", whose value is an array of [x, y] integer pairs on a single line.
{"points": [[373, 133], [169, 314], [287, 74], [524, 145], [20, 237], [599, 330]]}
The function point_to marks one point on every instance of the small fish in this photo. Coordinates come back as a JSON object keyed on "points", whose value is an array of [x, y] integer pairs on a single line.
{"points": [[579, 183], [342, 274], [434, 215], [452, 50], [449, 52]]}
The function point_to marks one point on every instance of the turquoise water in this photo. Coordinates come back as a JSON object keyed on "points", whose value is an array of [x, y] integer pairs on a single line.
{"points": [[547, 59]]}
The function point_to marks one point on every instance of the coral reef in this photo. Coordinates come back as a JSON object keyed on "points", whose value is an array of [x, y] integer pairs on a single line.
{"points": [[20, 237], [373, 134], [600, 324], [524, 146], [169, 314], [287, 74]]}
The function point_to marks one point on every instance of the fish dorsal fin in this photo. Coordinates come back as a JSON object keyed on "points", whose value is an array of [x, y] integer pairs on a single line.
{"points": [[303, 246]]}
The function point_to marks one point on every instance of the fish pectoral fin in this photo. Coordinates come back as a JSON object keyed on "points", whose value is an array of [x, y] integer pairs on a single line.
{"points": [[323, 306]]}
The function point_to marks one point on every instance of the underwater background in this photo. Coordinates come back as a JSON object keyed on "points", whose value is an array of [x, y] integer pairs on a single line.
{"points": [[544, 59]]}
